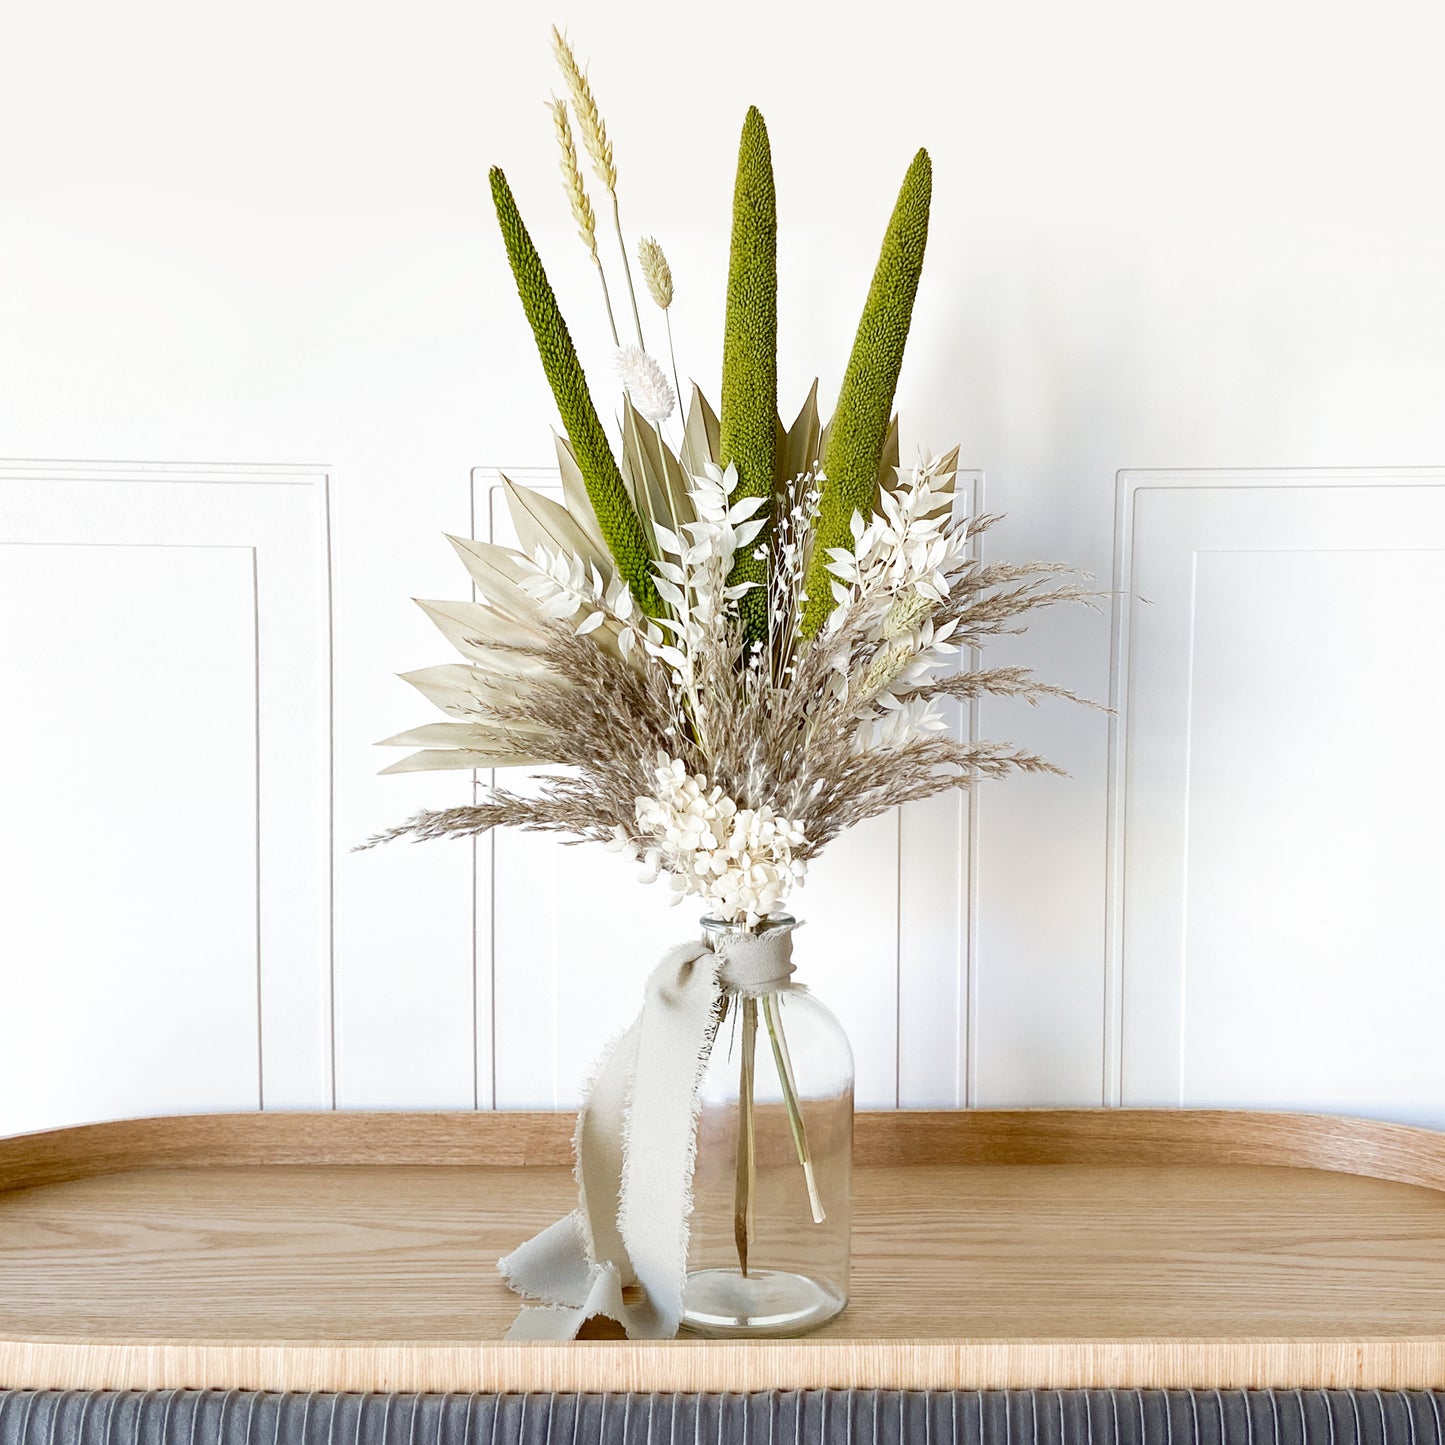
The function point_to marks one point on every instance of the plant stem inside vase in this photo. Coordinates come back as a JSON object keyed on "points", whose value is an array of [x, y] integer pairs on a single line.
{"points": [[747, 1141], [746, 1178], [784, 1060]]}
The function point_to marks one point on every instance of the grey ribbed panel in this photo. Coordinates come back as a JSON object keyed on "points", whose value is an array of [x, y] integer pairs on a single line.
{"points": [[824, 1417]]}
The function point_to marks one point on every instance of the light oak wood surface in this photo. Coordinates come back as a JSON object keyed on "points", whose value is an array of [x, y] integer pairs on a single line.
{"points": [[1028, 1248]]}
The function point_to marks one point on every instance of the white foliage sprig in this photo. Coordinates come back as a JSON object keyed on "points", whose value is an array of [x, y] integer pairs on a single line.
{"points": [[906, 561], [562, 586], [692, 578], [904, 558]]}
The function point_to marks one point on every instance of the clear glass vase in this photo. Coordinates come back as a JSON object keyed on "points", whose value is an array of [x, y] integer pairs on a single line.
{"points": [[768, 1247]]}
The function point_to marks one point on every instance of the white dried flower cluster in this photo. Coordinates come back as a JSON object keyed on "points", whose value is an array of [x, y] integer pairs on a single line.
{"points": [[741, 861], [646, 383]]}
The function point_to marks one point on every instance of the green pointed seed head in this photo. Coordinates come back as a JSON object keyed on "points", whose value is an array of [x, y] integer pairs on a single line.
{"points": [[865, 403], [750, 351], [616, 516]]}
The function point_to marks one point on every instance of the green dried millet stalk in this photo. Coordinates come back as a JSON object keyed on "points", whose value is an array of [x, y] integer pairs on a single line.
{"points": [[616, 516], [860, 425], [749, 423]]}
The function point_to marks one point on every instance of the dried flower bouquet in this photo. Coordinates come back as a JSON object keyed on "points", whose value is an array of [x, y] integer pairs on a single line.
{"points": [[736, 642], [764, 617]]}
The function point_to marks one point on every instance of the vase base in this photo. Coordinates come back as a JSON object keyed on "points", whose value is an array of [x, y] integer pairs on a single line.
{"points": [[722, 1302]]}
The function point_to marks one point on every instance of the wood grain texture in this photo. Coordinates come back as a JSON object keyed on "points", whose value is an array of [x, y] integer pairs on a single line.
{"points": [[1026, 1248]]}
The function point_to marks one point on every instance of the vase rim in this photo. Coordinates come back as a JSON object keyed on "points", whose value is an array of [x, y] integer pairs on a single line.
{"points": [[770, 924]]}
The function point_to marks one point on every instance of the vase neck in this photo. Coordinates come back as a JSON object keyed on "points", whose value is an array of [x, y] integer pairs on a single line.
{"points": [[752, 962]]}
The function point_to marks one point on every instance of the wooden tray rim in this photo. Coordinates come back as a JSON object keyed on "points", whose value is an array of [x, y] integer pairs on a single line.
{"points": [[1118, 1137]]}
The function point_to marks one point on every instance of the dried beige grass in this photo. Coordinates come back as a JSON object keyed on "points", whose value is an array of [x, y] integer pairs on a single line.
{"points": [[577, 199], [572, 185], [599, 148], [589, 118]]}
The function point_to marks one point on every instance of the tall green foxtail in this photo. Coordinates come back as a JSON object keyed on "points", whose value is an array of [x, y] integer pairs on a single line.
{"points": [[617, 518], [749, 431], [860, 425]]}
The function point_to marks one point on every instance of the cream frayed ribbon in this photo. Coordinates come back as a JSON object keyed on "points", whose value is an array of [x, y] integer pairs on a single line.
{"points": [[635, 1143]]}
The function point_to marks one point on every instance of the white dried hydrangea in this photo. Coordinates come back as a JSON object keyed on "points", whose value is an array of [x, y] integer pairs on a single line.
{"points": [[740, 861]]}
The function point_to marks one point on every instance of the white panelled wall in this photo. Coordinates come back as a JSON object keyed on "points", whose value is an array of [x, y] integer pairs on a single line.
{"points": [[1184, 311], [1277, 850]]}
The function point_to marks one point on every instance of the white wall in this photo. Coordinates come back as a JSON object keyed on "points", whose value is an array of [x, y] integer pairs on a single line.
{"points": [[1175, 238]]}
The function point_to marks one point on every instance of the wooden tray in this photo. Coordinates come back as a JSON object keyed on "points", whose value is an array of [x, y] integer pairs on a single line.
{"points": [[1024, 1248]]}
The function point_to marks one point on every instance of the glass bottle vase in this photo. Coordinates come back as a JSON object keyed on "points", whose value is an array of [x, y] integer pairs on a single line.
{"points": [[769, 1239]]}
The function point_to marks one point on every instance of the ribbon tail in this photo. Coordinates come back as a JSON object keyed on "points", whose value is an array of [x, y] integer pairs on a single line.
{"points": [[553, 1266], [600, 1146], [674, 1040], [562, 1322], [636, 1143]]}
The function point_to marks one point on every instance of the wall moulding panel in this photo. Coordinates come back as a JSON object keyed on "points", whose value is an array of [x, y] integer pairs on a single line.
{"points": [[566, 937], [165, 810], [1275, 848]]}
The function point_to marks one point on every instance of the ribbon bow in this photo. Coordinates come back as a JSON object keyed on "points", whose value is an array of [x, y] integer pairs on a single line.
{"points": [[635, 1142]]}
